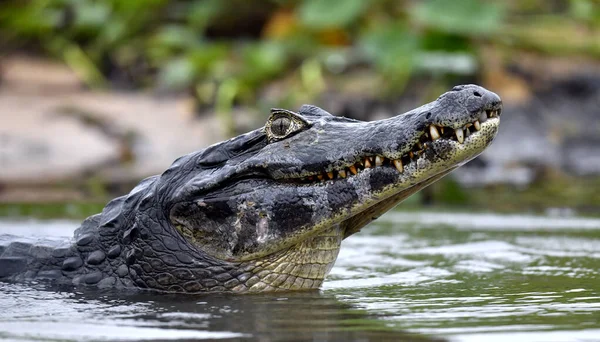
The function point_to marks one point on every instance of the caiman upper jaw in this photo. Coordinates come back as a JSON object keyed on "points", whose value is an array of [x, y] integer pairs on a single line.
{"points": [[432, 133]]}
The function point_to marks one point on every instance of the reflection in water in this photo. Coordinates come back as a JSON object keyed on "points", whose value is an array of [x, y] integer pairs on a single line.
{"points": [[408, 276], [34, 312]]}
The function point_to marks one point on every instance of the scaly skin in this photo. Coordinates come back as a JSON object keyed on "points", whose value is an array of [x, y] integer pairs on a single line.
{"points": [[267, 210]]}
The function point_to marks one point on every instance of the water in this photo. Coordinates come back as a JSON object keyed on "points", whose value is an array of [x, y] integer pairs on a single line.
{"points": [[409, 276]]}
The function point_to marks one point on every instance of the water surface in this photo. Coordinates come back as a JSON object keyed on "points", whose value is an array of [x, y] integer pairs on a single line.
{"points": [[408, 276]]}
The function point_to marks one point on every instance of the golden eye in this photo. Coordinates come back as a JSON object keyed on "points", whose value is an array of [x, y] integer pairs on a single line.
{"points": [[280, 126], [283, 123]]}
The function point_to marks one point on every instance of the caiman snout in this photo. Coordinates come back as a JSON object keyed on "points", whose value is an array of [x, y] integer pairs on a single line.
{"points": [[475, 98]]}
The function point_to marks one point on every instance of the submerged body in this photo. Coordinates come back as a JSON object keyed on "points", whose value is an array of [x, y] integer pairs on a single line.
{"points": [[267, 210]]}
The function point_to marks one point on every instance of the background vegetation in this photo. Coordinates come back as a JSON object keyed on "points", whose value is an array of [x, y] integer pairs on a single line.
{"points": [[225, 52], [239, 52]]}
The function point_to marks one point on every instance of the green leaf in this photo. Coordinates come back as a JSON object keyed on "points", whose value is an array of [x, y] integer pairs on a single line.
{"points": [[200, 13], [91, 16], [330, 13], [466, 17], [82, 65], [175, 37], [392, 49], [264, 60]]}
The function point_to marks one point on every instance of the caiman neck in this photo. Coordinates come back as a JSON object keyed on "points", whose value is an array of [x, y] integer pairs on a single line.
{"points": [[300, 267]]}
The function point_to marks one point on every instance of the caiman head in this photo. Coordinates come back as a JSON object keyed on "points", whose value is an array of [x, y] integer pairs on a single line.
{"points": [[267, 210]]}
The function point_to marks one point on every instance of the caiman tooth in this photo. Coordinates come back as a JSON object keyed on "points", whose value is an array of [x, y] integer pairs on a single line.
{"points": [[352, 169], [342, 173], [330, 175], [367, 163], [483, 116], [460, 135], [320, 176], [477, 125], [467, 133], [378, 161], [419, 145], [411, 154], [435, 135], [398, 165], [442, 129]]}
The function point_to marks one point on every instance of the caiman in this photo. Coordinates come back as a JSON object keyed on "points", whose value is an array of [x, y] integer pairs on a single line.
{"points": [[266, 210]]}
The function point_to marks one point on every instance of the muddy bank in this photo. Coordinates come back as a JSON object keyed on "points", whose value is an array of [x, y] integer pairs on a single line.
{"points": [[54, 132]]}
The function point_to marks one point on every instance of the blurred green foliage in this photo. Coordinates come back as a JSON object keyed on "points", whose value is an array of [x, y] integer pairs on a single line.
{"points": [[227, 51]]}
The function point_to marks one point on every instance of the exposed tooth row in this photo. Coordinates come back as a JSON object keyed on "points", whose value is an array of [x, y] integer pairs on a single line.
{"points": [[418, 149], [355, 169]]}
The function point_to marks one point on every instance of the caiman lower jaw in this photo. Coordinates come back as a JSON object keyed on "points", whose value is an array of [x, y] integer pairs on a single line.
{"points": [[304, 265], [355, 223]]}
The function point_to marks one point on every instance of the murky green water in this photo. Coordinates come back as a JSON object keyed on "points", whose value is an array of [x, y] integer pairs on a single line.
{"points": [[409, 276]]}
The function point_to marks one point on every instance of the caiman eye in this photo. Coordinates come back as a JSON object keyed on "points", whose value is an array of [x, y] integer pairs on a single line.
{"points": [[280, 126], [283, 123]]}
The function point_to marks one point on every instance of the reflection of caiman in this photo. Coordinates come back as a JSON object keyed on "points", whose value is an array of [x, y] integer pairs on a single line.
{"points": [[267, 210]]}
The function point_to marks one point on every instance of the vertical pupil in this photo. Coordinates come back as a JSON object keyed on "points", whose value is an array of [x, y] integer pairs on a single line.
{"points": [[280, 126]]}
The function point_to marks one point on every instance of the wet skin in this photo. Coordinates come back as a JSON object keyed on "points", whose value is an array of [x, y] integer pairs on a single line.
{"points": [[267, 210]]}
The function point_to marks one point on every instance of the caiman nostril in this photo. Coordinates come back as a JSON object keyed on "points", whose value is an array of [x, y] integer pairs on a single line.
{"points": [[476, 93]]}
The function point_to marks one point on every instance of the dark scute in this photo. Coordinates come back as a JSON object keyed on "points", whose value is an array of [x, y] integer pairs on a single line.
{"points": [[217, 209], [72, 263], [49, 274], [341, 195], [122, 270], [289, 213], [61, 252], [222, 277], [193, 286], [246, 237], [130, 257], [130, 235], [85, 239], [96, 257], [310, 110], [114, 251], [107, 282], [381, 179], [92, 278], [184, 258], [166, 279], [209, 282], [218, 154], [11, 265], [170, 243], [111, 214], [18, 248]]}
